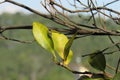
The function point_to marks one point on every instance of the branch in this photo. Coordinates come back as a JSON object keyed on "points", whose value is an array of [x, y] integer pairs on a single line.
{"points": [[16, 40], [14, 28], [111, 3], [59, 20], [2, 29], [74, 72], [78, 72], [38, 13], [103, 50], [29, 9], [85, 10], [66, 31]]}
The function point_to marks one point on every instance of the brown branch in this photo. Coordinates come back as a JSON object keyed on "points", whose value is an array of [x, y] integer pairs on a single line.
{"points": [[14, 28], [36, 12], [85, 10], [68, 31], [74, 72], [16, 40], [81, 3], [29, 9], [78, 72], [103, 33], [2, 29], [72, 23], [111, 3], [52, 17], [93, 16]]}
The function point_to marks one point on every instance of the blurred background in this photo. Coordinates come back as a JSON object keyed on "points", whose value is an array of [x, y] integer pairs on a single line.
{"points": [[28, 61]]}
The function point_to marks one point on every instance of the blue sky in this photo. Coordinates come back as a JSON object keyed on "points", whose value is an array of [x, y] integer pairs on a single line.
{"points": [[7, 7]]}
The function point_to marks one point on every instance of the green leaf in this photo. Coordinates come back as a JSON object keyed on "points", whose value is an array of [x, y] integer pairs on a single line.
{"points": [[68, 46], [41, 35], [117, 76], [60, 41], [97, 61], [70, 55]]}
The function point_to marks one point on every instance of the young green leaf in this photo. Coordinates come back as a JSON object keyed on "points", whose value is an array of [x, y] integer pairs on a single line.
{"points": [[97, 61], [60, 41], [117, 76], [68, 46], [41, 35], [70, 55]]}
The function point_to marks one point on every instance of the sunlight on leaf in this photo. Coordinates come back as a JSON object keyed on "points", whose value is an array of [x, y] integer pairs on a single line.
{"points": [[60, 41], [97, 61], [41, 35], [57, 42]]}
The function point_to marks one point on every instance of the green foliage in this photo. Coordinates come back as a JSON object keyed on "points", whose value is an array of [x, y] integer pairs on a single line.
{"points": [[97, 61], [68, 46], [60, 41], [41, 35], [56, 39]]}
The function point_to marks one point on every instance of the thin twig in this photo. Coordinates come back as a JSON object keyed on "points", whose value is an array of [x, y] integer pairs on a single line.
{"points": [[29, 9], [16, 40], [114, 42], [112, 68], [89, 4], [103, 50], [111, 3], [74, 72], [86, 10], [117, 68]]}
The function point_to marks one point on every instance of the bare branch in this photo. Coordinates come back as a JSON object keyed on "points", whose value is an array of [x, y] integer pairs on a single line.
{"points": [[111, 3], [86, 10], [67, 32], [118, 64], [28, 8], [16, 40]]}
